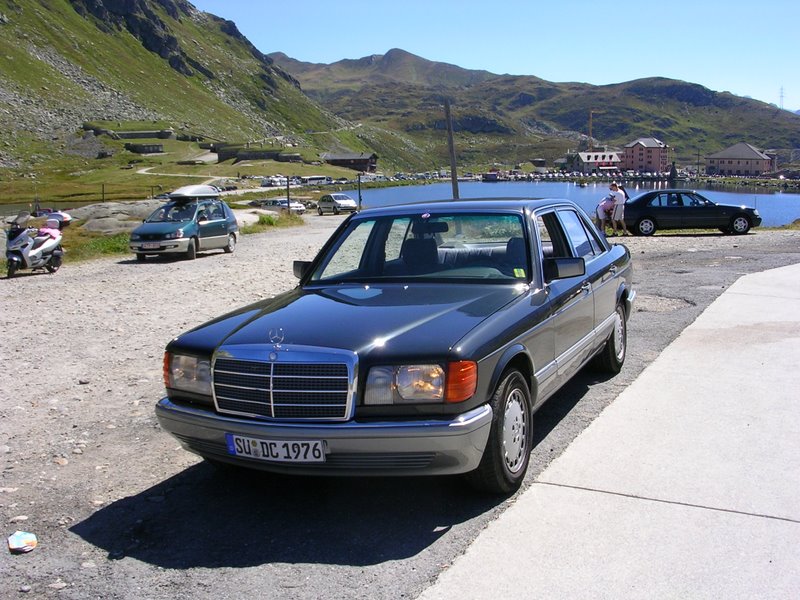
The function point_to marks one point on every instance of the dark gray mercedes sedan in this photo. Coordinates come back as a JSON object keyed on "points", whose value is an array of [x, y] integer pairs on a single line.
{"points": [[420, 341]]}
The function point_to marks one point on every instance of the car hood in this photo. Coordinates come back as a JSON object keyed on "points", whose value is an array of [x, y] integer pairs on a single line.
{"points": [[743, 207], [160, 228], [377, 322]]}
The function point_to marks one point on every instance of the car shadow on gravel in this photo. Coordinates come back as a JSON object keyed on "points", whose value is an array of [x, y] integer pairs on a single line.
{"points": [[202, 517], [205, 517], [167, 258]]}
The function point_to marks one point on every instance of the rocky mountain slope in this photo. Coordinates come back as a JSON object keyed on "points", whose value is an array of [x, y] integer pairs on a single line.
{"points": [[65, 62]]}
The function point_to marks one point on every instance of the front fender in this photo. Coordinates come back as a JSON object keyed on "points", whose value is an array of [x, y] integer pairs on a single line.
{"points": [[519, 355]]}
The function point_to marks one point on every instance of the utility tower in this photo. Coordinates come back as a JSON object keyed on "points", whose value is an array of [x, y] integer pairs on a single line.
{"points": [[591, 139]]}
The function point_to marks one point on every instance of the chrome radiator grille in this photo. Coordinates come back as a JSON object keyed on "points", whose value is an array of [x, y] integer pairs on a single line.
{"points": [[282, 390]]}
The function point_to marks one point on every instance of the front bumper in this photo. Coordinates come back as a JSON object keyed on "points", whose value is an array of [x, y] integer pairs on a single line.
{"points": [[179, 246], [430, 447]]}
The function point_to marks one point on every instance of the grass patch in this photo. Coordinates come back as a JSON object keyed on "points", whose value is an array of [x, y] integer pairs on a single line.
{"points": [[82, 245], [267, 222]]}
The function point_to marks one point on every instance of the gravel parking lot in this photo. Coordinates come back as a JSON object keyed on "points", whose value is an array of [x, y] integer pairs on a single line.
{"points": [[121, 512]]}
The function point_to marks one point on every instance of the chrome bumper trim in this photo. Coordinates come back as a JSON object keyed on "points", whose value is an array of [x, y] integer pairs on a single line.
{"points": [[429, 447]]}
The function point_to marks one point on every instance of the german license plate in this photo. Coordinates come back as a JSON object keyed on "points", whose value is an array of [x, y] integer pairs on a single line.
{"points": [[150, 245], [295, 451]]}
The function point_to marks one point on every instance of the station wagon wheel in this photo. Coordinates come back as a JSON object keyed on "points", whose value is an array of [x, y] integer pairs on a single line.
{"points": [[646, 226], [612, 356], [319, 210], [141, 257], [231, 245], [507, 453], [740, 225], [191, 250]]}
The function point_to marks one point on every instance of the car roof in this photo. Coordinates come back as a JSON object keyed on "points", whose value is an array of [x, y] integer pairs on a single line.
{"points": [[194, 191], [519, 205], [669, 191]]}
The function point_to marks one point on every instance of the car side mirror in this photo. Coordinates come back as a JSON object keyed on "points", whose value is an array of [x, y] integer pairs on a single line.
{"points": [[300, 268], [563, 268]]}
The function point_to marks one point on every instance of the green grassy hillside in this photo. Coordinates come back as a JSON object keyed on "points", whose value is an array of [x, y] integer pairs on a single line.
{"points": [[526, 116], [151, 64]]}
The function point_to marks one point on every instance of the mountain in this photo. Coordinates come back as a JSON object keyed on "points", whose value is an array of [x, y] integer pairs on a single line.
{"points": [[157, 64], [524, 116], [66, 62]]}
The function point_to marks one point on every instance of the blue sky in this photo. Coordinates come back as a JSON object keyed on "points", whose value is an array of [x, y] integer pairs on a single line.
{"points": [[744, 47]]}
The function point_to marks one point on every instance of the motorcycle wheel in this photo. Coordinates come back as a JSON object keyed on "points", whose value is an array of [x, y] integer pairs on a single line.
{"points": [[53, 265], [12, 268]]}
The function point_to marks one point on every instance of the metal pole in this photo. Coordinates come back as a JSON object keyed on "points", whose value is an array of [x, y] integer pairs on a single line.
{"points": [[451, 146], [358, 178]]}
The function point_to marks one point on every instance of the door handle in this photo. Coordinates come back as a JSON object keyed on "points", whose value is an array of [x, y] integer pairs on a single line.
{"points": [[586, 287]]}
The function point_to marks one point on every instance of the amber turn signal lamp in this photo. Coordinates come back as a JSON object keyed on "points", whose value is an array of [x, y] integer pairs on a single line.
{"points": [[462, 380], [165, 369]]}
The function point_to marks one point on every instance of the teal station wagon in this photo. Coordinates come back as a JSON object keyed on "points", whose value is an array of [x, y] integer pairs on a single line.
{"points": [[194, 219]]}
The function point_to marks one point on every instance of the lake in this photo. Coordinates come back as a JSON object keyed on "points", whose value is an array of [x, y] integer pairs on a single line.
{"points": [[777, 208]]}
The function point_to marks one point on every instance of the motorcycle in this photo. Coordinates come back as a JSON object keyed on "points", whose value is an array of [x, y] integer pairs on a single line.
{"points": [[33, 248]]}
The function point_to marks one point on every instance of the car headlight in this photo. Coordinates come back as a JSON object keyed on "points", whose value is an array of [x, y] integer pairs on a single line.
{"points": [[187, 373], [174, 235], [421, 384], [135, 237]]}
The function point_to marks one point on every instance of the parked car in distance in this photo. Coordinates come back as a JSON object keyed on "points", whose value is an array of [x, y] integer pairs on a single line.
{"points": [[281, 204], [336, 203], [194, 219], [686, 209], [420, 341]]}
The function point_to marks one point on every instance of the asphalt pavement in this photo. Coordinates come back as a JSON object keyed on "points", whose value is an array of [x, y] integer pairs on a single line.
{"points": [[686, 486]]}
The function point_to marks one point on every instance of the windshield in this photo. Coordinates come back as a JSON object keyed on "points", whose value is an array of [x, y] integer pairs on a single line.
{"points": [[476, 246], [173, 212]]}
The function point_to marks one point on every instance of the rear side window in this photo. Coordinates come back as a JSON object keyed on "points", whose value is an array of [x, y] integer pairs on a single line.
{"points": [[582, 241], [567, 235]]}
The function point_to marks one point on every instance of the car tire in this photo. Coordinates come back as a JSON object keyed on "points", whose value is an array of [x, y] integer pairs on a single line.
{"points": [[508, 449], [141, 257], [645, 226], [335, 210], [612, 356], [319, 211], [231, 245], [191, 250], [740, 225]]}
